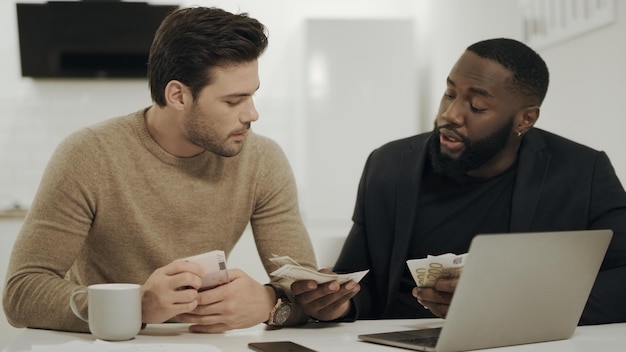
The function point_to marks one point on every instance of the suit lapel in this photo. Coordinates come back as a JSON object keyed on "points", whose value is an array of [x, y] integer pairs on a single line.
{"points": [[532, 170]]}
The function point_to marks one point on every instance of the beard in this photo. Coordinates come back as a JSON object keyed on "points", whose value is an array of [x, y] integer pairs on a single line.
{"points": [[475, 155], [203, 134]]}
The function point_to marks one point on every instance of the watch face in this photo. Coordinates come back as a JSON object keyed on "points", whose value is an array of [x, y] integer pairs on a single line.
{"points": [[281, 314]]}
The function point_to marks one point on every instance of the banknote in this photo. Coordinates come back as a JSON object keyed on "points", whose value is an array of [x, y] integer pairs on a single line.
{"points": [[214, 265], [283, 260], [289, 268], [425, 271]]}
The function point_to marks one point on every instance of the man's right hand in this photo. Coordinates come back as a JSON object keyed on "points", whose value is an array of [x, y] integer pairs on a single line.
{"points": [[169, 291], [327, 301]]}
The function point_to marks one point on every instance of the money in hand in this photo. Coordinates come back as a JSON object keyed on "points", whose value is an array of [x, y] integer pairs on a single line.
{"points": [[425, 271], [214, 265], [289, 268]]}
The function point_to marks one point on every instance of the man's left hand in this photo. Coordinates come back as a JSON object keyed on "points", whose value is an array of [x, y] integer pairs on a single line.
{"points": [[437, 299], [241, 303]]}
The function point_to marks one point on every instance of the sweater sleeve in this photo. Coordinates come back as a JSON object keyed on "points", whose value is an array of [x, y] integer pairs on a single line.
{"points": [[36, 294], [276, 221]]}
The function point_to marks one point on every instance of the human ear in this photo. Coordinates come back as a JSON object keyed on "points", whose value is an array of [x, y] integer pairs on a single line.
{"points": [[175, 94], [527, 118]]}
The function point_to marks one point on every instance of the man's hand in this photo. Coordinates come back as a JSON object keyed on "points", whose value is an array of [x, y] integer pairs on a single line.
{"points": [[437, 299], [326, 301], [241, 303], [169, 291]]}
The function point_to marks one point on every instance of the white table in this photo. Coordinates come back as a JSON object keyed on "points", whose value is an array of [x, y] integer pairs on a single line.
{"points": [[318, 336]]}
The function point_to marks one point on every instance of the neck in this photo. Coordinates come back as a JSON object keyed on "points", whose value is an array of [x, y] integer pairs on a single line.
{"points": [[500, 162], [166, 128]]}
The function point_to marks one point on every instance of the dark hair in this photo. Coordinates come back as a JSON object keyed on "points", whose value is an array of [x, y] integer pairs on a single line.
{"points": [[530, 73], [191, 41]]}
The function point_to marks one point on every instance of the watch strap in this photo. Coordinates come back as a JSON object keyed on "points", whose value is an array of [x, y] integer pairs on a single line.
{"points": [[281, 300]]}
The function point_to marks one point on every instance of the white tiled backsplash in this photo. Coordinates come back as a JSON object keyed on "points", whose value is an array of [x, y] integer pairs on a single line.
{"points": [[45, 113]]}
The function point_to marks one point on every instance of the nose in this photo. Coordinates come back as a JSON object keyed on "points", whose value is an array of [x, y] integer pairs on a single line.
{"points": [[452, 112], [249, 114]]}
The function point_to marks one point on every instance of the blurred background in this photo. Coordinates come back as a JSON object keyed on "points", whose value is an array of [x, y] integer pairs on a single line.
{"points": [[339, 78]]}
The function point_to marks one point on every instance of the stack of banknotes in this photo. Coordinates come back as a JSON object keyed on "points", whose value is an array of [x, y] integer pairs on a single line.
{"points": [[289, 268], [214, 265], [425, 271]]}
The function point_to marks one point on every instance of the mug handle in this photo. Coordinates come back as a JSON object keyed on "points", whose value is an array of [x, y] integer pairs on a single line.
{"points": [[75, 309]]}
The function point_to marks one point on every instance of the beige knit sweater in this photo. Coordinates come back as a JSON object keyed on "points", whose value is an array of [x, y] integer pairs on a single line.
{"points": [[113, 207]]}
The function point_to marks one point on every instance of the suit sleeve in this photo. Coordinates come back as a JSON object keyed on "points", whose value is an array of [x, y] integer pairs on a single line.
{"points": [[355, 253], [607, 303]]}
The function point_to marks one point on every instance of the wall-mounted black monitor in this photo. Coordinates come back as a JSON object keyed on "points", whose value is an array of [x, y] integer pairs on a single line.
{"points": [[61, 39]]}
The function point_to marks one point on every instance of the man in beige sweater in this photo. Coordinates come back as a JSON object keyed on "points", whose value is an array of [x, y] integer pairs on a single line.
{"points": [[122, 200]]}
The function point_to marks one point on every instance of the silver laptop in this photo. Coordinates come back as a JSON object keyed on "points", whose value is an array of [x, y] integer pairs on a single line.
{"points": [[515, 288]]}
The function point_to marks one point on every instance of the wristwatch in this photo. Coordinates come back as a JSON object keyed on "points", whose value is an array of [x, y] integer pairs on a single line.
{"points": [[282, 309]]}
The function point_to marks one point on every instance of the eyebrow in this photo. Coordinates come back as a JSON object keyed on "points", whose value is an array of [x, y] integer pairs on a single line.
{"points": [[236, 95], [475, 90]]}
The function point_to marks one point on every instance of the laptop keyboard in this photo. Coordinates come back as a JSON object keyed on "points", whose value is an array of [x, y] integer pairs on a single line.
{"points": [[407, 339], [422, 341], [421, 337]]}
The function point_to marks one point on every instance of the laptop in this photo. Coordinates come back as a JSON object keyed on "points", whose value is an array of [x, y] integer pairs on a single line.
{"points": [[515, 288]]}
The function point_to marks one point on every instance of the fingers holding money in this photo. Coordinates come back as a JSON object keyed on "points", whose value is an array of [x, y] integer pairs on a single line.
{"points": [[436, 299], [427, 270], [325, 301], [213, 264], [170, 290]]}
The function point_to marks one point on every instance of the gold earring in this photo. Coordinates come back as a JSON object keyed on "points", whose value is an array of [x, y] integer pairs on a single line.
{"points": [[519, 133]]}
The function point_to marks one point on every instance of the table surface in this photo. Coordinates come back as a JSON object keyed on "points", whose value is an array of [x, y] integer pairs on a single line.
{"points": [[317, 336]]}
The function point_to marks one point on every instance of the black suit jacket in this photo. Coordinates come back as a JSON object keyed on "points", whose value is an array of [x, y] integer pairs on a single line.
{"points": [[560, 185]]}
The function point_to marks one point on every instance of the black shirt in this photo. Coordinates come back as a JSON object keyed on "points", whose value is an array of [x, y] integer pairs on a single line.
{"points": [[450, 212]]}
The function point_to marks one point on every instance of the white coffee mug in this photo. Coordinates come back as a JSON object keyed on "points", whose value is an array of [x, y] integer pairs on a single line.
{"points": [[113, 310]]}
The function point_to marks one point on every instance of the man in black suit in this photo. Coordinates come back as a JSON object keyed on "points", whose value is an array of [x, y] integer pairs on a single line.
{"points": [[484, 168]]}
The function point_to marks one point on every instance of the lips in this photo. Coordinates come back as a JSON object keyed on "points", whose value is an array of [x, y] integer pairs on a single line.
{"points": [[450, 140], [450, 135], [239, 136]]}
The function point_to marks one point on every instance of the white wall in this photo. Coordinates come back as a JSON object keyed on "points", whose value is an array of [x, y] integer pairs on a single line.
{"points": [[588, 89], [359, 93]]}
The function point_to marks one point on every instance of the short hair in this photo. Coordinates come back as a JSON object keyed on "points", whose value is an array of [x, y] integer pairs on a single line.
{"points": [[530, 73], [191, 41]]}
